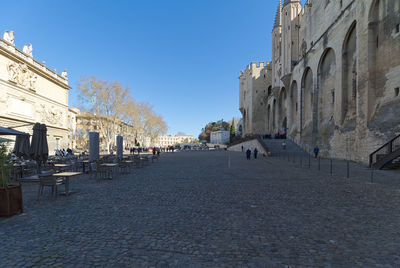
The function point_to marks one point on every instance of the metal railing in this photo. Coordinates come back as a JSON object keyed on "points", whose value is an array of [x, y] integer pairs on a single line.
{"points": [[387, 148]]}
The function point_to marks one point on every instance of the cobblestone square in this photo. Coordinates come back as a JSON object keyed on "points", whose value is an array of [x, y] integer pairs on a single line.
{"points": [[191, 209]]}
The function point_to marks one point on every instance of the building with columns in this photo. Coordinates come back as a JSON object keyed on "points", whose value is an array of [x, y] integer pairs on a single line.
{"points": [[336, 75]]}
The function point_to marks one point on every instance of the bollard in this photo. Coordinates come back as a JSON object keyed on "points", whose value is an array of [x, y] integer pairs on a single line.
{"points": [[348, 169], [372, 175], [319, 163], [331, 166]]}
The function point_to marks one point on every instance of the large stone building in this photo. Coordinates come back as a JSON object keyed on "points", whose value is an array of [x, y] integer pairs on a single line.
{"points": [[336, 75], [254, 85], [31, 92]]}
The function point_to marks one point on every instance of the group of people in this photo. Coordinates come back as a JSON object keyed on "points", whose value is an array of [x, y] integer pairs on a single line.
{"points": [[64, 152], [248, 153]]}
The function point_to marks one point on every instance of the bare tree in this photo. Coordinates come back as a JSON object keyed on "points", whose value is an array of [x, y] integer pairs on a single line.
{"points": [[143, 119], [154, 124], [106, 101]]}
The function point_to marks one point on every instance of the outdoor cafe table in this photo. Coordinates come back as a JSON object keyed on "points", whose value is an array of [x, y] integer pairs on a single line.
{"points": [[61, 166], [111, 166], [67, 175]]}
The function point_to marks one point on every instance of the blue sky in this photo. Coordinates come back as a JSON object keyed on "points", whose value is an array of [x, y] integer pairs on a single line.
{"points": [[181, 56]]}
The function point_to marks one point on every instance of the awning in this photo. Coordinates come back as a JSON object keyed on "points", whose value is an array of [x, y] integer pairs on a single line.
{"points": [[9, 131]]}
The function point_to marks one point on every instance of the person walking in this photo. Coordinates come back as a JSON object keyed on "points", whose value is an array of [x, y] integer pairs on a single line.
{"points": [[284, 145], [248, 154], [316, 151], [255, 153], [242, 148]]}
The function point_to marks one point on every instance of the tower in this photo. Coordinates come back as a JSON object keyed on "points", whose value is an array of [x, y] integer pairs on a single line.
{"points": [[290, 34], [277, 48]]}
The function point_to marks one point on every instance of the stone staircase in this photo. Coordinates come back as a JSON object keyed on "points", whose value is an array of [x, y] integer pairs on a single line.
{"points": [[387, 156], [275, 148]]}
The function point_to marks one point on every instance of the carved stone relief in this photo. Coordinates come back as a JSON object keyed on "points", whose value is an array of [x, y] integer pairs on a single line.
{"points": [[21, 75], [51, 116]]}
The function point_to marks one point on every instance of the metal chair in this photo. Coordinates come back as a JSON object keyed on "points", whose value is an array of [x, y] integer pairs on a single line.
{"points": [[46, 178]]}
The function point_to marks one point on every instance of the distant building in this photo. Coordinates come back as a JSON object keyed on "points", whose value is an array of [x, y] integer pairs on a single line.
{"points": [[220, 137], [170, 140]]}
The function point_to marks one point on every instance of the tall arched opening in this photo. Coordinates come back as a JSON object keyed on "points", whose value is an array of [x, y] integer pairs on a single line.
{"points": [[293, 105], [326, 88], [307, 86], [349, 77]]}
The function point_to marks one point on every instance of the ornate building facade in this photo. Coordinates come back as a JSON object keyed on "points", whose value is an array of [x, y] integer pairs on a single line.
{"points": [[30, 92], [336, 75]]}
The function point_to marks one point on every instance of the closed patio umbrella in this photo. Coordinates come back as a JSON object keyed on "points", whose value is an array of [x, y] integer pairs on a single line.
{"points": [[43, 143], [21, 146], [39, 150]]}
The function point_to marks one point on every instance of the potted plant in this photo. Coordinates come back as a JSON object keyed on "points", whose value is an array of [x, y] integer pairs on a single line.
{"points": [[10, 195]]}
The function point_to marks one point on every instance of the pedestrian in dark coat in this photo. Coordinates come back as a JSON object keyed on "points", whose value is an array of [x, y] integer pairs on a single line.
{"points": [[255, 153], [248, 154], [316, 151]]}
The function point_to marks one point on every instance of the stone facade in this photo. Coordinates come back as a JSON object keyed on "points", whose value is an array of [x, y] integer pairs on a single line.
{"points": [[30, 92], [252, 144], [254, 85], [336, 75]]}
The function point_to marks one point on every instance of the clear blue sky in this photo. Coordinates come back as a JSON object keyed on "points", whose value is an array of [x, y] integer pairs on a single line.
{"points": [[181, 56]]}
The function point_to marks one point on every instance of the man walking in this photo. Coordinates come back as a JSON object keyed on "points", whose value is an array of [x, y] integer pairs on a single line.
{"points": [[248, 154], [255, 153], [316, 151]]}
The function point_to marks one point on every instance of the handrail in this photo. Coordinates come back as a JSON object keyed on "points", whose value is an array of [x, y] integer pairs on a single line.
{"points": [[261, 141], [392, 140], [390, 143]]}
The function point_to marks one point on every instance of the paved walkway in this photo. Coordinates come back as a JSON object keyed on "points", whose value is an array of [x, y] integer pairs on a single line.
{"points": [[191, 210]]}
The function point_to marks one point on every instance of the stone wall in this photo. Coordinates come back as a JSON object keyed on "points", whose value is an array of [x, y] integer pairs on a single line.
{"points": [[342, 88], [254, 82], [248, 145]]}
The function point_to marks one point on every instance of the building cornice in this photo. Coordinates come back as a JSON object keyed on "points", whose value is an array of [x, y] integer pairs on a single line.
{"points": [[10, 51]]}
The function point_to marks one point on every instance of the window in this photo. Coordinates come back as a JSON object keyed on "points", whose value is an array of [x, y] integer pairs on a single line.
{"points": [[57, 143], [397, 28], [396, 92]]}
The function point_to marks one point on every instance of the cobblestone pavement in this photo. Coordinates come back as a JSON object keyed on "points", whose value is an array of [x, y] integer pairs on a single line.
{"points": [[191, 210]]}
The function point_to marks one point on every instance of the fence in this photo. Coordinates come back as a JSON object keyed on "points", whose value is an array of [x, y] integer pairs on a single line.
{"points": [[333, 167]]}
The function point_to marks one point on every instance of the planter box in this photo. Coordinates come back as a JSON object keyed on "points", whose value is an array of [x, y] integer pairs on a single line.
{"points": [[11, 200]]}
